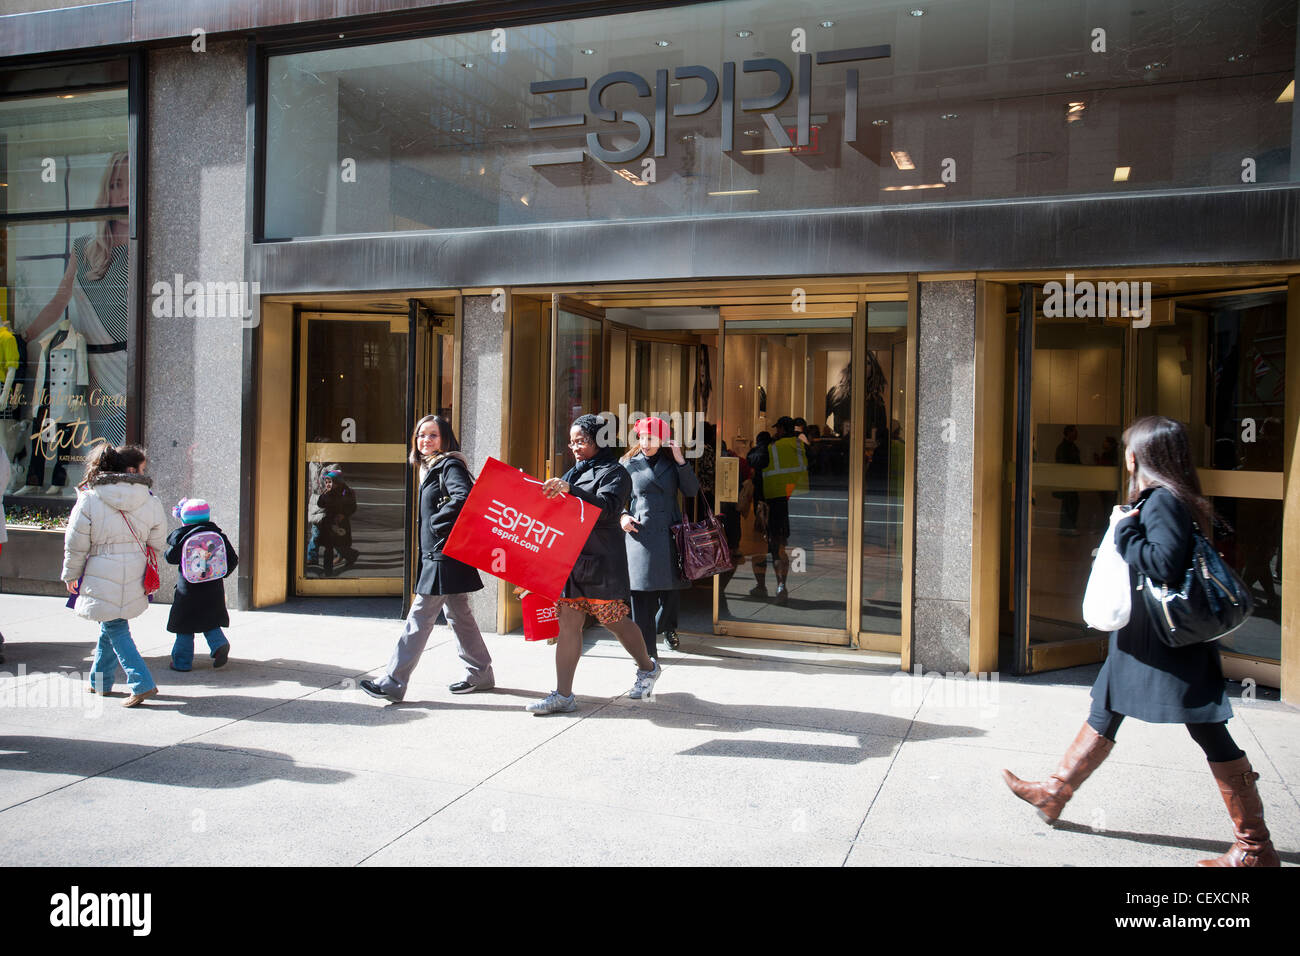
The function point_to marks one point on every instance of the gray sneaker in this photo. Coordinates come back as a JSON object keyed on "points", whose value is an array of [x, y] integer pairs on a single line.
{"points": [[553, 703], [645, 683]]}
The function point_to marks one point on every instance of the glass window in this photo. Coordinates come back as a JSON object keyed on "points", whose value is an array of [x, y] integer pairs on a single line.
{"points": [[722, 108], [64, 179]]}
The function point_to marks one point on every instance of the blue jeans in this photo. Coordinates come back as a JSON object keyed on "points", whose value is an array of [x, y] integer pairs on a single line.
{"points": [[183, 649], [115, 645]]}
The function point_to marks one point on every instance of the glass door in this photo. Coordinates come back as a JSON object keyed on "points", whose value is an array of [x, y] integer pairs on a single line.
{"points": [[351, 453], [788, 400], [577, 373]]}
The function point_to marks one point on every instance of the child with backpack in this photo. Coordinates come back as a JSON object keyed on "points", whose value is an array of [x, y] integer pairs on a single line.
{"points": [[205, 557]]}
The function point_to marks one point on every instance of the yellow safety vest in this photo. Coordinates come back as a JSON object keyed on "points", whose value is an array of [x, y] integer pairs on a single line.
{"points": [[786, 474]]}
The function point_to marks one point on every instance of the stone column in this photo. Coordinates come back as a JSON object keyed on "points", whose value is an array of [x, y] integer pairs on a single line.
{"points": [[481, 414], [945, 476], [193, 366]]}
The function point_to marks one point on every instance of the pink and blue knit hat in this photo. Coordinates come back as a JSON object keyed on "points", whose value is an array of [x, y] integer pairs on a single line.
{"points": [[192, 510]]}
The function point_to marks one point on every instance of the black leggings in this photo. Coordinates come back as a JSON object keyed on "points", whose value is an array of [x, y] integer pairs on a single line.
{"points": [[1214, 739]]}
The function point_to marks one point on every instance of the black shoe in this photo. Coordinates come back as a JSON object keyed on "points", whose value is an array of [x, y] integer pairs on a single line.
{"points": [[782, 596], [672, 639], [465, 687], [350, 561], [371, 688], [219, 655]]}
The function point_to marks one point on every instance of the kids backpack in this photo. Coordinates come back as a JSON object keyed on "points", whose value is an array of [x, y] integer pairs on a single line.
{"points": [[203, 557]]}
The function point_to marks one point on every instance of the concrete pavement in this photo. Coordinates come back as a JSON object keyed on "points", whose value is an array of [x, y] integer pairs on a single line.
{"points": [[750, 753]]}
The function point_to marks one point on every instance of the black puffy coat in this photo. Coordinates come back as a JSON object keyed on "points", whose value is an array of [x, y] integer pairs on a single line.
{"points": [[601, 569], [198, 607], [1144, 677], [443, 491], [339, 505]]}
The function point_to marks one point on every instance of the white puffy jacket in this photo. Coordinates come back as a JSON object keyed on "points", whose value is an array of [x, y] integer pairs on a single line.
{"points": [[100, 545]]}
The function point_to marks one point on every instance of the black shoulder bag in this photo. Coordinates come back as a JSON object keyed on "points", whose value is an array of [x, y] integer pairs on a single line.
{"points": [[1212, 602]]}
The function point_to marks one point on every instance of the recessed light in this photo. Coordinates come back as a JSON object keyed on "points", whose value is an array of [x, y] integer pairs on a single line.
{"points": [[744, 34], [753, 132], [1121, 173], [663, 43], [896, 189], [827, 24], [1076, 74], [467, 65], [1238, 57], [66, 96], [507, 125], [916, 13], [524, 200], [902, 159], [1287, 95], [458, 129], [1155, 65], [880, 122], [949, 116], [588, 51], [1078, 106]]}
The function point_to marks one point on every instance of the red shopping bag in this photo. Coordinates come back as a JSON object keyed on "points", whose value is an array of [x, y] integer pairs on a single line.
{"points": [[541, 618], [509, 528]]}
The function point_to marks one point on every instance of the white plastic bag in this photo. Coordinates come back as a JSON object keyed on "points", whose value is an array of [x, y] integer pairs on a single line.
{"points": [[1108, 599]]}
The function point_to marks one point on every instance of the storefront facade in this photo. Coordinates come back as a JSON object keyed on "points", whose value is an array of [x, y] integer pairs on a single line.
{"points": [[992, 236]]}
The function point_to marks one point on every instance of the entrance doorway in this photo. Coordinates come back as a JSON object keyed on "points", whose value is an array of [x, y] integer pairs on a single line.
{"points": [[1213, 356], [767, 400]]}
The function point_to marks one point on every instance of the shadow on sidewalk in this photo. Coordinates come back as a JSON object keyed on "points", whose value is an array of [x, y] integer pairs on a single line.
{"points": [[87, 758], [1210, 847]]}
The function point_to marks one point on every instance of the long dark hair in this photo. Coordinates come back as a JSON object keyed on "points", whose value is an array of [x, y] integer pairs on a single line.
{"points": [[446, 438], [107, 460], [1163, 457]]}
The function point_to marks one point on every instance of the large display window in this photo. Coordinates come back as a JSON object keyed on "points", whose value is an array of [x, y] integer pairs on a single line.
{"points": [[65, 268]]}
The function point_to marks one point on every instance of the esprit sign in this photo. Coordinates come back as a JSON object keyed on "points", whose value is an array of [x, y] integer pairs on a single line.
{"points": [[652, 126], [511, 520]]}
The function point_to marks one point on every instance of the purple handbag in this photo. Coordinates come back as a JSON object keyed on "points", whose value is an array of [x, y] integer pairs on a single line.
{"points": [[702, 546]]}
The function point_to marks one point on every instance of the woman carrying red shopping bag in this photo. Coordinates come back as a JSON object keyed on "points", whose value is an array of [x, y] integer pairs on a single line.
{"points": [[598, 584]]}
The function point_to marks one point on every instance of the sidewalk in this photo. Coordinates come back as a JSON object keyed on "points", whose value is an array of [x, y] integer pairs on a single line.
{"points": [[751, 753]]}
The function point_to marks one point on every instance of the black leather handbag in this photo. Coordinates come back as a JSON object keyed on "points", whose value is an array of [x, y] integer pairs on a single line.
{"points": [[1211, 603]]}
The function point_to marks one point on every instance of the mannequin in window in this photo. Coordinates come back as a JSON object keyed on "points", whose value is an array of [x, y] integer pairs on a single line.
{"points": [[95, 285]]}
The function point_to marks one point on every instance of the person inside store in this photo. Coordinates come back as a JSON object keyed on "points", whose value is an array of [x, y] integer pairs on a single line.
{"points": [[659, 472], [784, 468], [598, 584], [443, 583], [1067, 453], [1145, 678], [337, 504]]}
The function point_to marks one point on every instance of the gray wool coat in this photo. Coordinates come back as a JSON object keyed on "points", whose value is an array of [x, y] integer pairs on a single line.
{"points": [[650, 562]]}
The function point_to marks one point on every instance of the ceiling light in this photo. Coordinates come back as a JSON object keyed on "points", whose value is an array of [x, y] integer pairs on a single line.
{"points": [[948, 116], [507, 125], [827, 24], [735, 192], [524, 200], [1121, 173], [1076, 74], [916, 13], [1238, 57], [588, 51], [902, 160], [896, 189], [66, 96], [744, 34], [768, 150], [1076, 107], [1287, 95], [753, 132], [1155, 65], [458, 129], [468, 66], [663, 43], [881, 122]]}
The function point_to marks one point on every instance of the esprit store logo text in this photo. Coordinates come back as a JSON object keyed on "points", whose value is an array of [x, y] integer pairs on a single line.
{"points": [[511, 520], [1101, 300], [655, 131], [76, 909]]}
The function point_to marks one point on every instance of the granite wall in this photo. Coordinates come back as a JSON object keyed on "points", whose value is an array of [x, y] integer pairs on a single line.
{"points": [[945, 476], [195, 218], [481, 415]]}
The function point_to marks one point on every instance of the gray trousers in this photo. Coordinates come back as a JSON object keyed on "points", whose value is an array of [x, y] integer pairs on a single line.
{"points": [[419, 624]]}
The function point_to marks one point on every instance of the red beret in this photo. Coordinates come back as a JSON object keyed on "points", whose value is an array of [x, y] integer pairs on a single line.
{"points": [[654, 426]]}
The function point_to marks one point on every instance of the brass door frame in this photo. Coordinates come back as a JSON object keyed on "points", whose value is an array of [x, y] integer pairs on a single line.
{"points": [[305, 452]]}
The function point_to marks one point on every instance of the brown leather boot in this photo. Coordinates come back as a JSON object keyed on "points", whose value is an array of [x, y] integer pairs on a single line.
{"points": [[1050, 797], [1253, 847]]}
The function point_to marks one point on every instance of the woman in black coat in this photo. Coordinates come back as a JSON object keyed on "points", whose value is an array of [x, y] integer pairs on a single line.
{"points": [[443, 583], [598, 584], [1145, 678]]}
